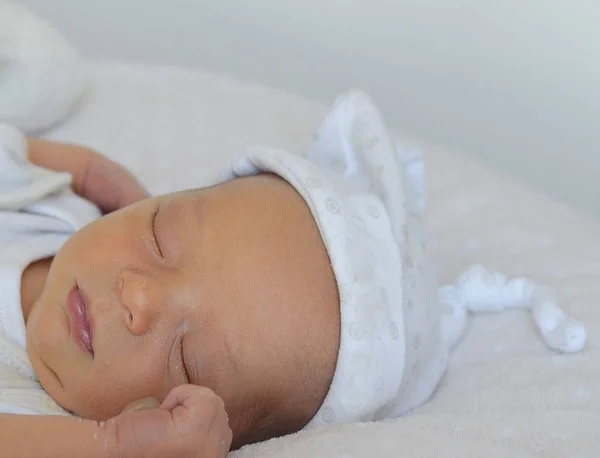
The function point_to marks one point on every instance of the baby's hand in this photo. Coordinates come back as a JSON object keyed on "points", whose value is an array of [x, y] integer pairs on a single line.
{"points": [[108, 184], [190, 423], [95, 177]]}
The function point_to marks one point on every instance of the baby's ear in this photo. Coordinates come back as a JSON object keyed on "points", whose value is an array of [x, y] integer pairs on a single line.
{"points": [[350, 139]]}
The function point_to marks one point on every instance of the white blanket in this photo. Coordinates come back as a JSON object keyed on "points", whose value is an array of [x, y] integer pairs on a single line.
{"points": [[505, 393]]}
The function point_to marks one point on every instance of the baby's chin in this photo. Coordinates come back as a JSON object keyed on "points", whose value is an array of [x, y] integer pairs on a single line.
{"points": [[45, 376], [52, 383]]}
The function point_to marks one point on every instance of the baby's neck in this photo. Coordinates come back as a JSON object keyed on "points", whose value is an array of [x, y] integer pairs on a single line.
{"points": [[32, 283]]}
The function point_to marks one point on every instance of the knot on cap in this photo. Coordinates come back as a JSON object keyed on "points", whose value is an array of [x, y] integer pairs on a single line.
{"points": [[479, 291]]}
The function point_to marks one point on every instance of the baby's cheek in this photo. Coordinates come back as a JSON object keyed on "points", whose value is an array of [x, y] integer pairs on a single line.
{"points": [[102, 240], [110, 388]]}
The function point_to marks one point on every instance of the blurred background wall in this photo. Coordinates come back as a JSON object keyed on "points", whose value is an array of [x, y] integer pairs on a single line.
{"points": [[515, 83]]}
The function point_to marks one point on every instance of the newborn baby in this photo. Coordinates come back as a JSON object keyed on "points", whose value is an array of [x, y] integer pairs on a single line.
{"points": [[294, 293], [280, 289]]}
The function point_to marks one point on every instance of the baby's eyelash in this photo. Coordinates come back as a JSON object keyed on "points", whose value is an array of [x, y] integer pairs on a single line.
{"points": [[152, 227], [181, 366]]}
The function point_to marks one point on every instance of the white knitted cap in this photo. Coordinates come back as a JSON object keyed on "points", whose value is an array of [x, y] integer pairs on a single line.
{"points": [[354, 181]]}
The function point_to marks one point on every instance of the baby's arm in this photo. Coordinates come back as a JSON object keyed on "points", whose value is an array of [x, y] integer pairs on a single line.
{"points": [[190, 423], [33, 436], [95, 177]]}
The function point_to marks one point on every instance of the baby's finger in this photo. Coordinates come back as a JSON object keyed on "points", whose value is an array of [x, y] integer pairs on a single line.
{"points": [[186, 395], [142, 404], [220, 435], [218, 441], [129, 191], [220, 429], [133, 195], [108, 184], [122, 191]]}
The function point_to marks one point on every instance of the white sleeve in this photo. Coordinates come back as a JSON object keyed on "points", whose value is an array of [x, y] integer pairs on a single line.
{"points": [[28, 401], [21, 182], [20, 393]]}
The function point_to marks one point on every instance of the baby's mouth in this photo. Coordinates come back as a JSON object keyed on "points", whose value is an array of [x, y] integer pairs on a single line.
{"points": [[81, 329]]}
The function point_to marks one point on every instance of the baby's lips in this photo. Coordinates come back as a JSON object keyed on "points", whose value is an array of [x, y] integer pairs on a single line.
{"points": [[141, 404]]}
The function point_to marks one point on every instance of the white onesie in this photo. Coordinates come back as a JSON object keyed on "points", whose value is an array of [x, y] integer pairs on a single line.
{"points": [[38, 213]]}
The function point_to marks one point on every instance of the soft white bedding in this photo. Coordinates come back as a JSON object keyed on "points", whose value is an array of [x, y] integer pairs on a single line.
{"points": [[505, 393]]}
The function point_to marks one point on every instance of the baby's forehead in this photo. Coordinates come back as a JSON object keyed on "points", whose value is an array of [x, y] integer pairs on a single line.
{"points": [[241, 198], [264, 183], [186, 198], [252, 203]]}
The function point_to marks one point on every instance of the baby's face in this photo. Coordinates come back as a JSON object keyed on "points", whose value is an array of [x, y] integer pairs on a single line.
{"points": [[228, 287]]}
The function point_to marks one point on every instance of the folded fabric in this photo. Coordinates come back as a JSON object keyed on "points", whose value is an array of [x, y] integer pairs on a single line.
{"points": [[41, 75]]}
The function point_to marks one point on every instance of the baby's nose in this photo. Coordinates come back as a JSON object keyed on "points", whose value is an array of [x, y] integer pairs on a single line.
{"points": [[139, 301]]}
